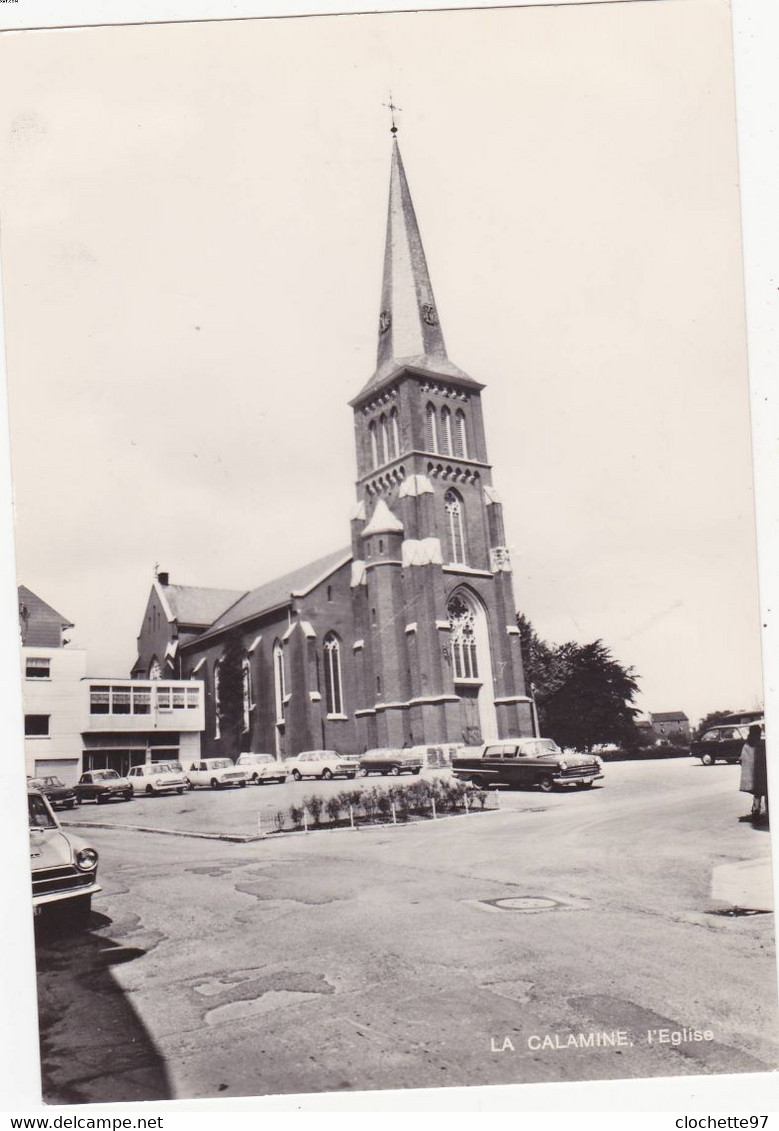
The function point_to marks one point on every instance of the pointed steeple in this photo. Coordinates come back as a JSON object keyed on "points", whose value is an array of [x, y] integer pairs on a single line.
{"points": [[410, 333]]}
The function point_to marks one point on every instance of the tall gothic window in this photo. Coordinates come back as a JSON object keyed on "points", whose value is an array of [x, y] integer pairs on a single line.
{"points": [[246, 691], [453, 507], [374, 444], [431, 429], [333, 684], [446, 431], [460, 441], [384, 437], [395, 433], [279, 686], [155, 671], [217, 700], [462, 639]]}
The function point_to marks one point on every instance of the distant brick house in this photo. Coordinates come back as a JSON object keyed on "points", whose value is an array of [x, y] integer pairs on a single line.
{"points": [[669, 724], [408, 635]]}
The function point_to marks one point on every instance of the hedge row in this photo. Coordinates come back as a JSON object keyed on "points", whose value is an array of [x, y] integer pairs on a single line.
{"points": [[374, 805]]}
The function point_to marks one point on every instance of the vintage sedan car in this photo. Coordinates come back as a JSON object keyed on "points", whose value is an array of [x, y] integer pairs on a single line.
{"points": [[384, 760], [58, 795], [64, 867], [262, 768], [156, 777], [103, 785], [722, 743], [324, 764], [217, 773], [526, 762]]}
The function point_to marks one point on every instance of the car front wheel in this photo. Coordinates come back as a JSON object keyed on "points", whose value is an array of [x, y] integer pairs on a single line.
{"points": [[479, 782], [327, 775], [546, 785], [296, 775], [363, 772], [707, 759], [149, 790], [417, 770], [214, 783], [242, 784], [394, 771]]}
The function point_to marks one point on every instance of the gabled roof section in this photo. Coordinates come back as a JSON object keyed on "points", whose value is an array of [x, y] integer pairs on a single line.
{"points": [[669, 717], [196, 605], [41, 626], [280, 591], [410, 333]]}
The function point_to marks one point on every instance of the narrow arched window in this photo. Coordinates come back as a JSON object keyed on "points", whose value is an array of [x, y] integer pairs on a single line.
{"points": [[333, 684], [446, 431], [462, 639], [453, 507], [279, 687], [374, 444], [155, 671], [384, 439], [431, 429], [395, 433], [246, 691], [217, 700], [460, 440]]}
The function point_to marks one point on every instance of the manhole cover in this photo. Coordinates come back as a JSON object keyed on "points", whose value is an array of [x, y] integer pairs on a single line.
{"points": [[530, 904]]}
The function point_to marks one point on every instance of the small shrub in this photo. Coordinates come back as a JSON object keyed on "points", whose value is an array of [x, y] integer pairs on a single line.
{"points": [[333, 808], [296, 816], [280, 820], [314, 804], [368, 802], [480, 796], [384, 803]]}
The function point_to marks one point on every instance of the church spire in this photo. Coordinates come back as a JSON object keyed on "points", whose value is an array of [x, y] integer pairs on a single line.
{"points": [[410, 333]]}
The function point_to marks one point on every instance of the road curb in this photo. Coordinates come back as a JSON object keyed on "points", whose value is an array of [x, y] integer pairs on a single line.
{"points": [[233, 838]]}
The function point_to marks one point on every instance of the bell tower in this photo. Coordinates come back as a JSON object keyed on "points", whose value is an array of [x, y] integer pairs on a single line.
{"points": [[438, 658]]}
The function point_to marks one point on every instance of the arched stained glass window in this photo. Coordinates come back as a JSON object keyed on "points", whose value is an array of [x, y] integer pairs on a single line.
{"points": [[460, 439], [279, 687], [374, 444], [446, 431], [217, 700], [246, 691], [431, 429], [333, 683], [453, 508], [462, 639], [395, 433]]}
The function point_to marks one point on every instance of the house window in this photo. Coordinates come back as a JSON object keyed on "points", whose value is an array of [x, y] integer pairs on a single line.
{"points": [[217, 701], [37, 667], [163, 699], [374, 444], [99, 701], [333, 686], [246, 691], [141, 698], [279, 685], [395, 432], [120, 700], [329, 592], [460, 439], [178, 699], [36, 726], [453, 508], [446, 431], [431, 429], [193, 697], [462, 639]]}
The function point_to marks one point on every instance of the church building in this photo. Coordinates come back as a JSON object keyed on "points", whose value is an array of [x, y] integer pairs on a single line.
{"points": [[408, 636]]}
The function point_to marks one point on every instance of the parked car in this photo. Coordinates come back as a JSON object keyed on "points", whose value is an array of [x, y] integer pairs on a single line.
{"points": [[218, 773], [389, 761], [262, 768], [721, 743], [324, 764], [58, 795], [102, 785], [156, 777], [527, 762], [64, 867]]}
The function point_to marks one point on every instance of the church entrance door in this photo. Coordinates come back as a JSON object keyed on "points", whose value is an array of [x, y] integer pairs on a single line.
{"points": [[469, 707]]}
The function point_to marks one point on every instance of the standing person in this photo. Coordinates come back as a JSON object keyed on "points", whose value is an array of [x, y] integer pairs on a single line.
{"points": [[760, 787], [749, 758]]}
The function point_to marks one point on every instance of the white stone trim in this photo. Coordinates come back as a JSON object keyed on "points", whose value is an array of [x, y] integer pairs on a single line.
{"points": [[358, 573], [338, 718], [423, 551], [290, 630], [163, 601], [286, 700], [468, 571], [323, 577], [358, 513], [364, 711], [383, 521], [358, 644], [254, 644], [411, 627], [514, 699], [414, 485], [512, 630], [307, 629], [314, 696], [490, 495], [198, 665], [383, 562], [443, 625], [434, 699], [171, 648]]}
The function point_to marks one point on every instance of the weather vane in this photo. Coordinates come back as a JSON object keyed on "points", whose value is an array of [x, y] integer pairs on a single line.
{"points": [[392, 108]]}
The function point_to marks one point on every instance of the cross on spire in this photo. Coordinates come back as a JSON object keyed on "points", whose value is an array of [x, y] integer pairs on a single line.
{"points": [[392, 108]]}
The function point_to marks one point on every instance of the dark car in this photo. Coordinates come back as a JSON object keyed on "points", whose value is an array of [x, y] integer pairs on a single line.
{"points": [[388, 761], [527, 762], [103, 785], [721, 744], [58, 795]]}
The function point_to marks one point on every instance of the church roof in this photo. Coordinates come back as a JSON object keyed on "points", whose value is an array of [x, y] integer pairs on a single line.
{"points": [[410, 334], [41, 625], [669, 717], [196, 605], [279, 591]]}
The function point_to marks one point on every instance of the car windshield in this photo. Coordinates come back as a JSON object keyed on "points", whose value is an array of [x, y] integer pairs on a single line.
{"points": [[47, 783], [40, 815], [540, 748], [104, 775], [159, 769], [219, 764]]}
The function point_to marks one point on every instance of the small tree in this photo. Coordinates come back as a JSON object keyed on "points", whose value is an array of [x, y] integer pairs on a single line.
{"points": [[713, 719], [231, 717]]}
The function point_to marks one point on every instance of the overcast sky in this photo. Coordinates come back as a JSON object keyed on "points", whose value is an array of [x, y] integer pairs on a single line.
{"points": [[192, 234]]}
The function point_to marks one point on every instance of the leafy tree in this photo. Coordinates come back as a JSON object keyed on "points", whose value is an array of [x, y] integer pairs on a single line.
{"points": [[583, 695], [231, 697], [713, 719]]}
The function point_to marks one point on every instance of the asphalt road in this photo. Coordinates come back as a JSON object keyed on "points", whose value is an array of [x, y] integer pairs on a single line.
{"points": [[384, 958]]}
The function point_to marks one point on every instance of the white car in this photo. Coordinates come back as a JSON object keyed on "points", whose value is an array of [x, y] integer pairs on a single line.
{"points": [[324, 764], [64, 868], [262, 768], [156, 777], [216, 773]]}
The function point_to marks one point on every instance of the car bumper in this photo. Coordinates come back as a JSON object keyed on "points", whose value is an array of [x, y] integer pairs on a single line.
{"points": [[574, 779], [61, 896]]}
